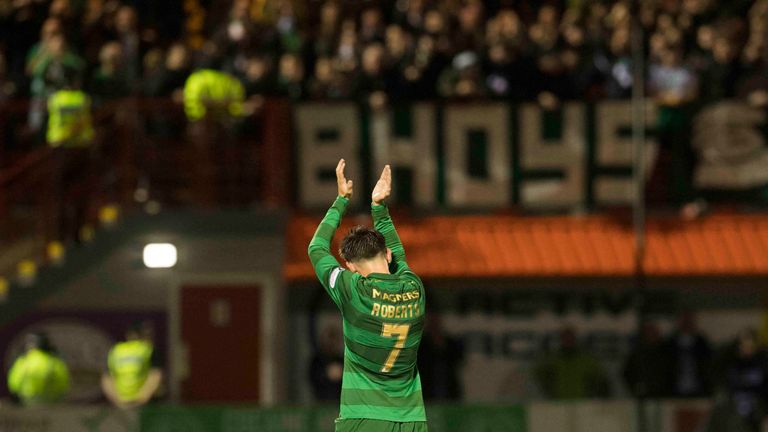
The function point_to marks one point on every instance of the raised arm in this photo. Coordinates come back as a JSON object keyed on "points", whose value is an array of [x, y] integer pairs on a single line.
{"points": [[327, 268], [383, 222]]}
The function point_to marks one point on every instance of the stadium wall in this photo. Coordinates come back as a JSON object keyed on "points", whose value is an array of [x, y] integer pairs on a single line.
{"points": [[583, 416]]}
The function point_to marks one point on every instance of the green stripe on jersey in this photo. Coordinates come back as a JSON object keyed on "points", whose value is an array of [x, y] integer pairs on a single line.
{"points": [[415, 413], [377, 398], [378, 356], [372, 338], [397, 387]]}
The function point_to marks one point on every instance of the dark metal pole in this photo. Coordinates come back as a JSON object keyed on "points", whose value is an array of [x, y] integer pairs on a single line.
{"points": [[638, 140], [638, 170]]}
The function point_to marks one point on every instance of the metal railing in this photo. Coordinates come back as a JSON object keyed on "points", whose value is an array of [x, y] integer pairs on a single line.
{"points": [[145, 155]]}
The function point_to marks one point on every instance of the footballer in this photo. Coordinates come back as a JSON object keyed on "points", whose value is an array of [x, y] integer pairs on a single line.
{"points": [[382, 305]]}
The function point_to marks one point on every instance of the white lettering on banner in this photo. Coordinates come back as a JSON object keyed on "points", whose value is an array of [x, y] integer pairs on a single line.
{"points": [[416, 152], [613, 149], [477, 165], [732, 150], [326, 133], [566, 154], [463, 189]]}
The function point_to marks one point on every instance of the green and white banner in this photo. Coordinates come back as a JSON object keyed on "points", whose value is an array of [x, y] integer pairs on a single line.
{"points": [[490, 155]]}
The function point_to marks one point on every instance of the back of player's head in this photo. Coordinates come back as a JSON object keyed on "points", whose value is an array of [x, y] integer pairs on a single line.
{"points": [[362, 243]]}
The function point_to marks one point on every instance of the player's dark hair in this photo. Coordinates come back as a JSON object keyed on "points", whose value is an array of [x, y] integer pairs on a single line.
{"points": [[362, 243]]}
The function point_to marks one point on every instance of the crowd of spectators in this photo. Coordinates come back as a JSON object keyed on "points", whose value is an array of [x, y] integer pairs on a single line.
{"points": [[380, 51], [683, 365]]}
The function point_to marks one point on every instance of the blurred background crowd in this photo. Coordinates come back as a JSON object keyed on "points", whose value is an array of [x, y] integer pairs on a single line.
{"points": [[680, 363], [387, 51]]}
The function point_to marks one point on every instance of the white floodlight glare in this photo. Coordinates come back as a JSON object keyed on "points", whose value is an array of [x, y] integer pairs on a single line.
{"points": [[160, 255]]}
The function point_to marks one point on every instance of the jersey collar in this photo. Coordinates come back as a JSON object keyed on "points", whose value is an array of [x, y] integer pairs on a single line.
{"points": [[383, 276]]}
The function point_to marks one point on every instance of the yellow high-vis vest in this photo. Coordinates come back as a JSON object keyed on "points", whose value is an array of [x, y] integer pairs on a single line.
{"points": [[69, 119], [129, 365], [208, 88], [38, 377]]}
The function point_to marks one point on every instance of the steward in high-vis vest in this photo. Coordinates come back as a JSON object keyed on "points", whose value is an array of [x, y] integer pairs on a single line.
{"points": [[212, 92], [38, 376], [69, 119], [131, 381], [214, 105]]}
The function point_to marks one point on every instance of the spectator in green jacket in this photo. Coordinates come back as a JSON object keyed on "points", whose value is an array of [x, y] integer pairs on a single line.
{"points": [[570, 372], [52, 67], [38, 376]]}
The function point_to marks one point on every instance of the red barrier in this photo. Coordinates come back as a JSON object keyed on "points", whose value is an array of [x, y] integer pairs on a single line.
{"points": [[145, 154]]}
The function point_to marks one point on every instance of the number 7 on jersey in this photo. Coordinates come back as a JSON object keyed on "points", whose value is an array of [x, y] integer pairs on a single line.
{"points": [[391, 330]]}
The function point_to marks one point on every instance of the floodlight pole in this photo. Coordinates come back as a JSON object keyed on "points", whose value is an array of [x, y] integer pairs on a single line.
{"points": [[638, 174], [638, 145]]}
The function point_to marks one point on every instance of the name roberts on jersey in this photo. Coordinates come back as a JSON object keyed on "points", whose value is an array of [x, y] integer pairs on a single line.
{"points": [[389, 311]]}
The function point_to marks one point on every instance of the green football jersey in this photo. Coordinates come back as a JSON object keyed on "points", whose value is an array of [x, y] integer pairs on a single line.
{"points": [[383, 317]]}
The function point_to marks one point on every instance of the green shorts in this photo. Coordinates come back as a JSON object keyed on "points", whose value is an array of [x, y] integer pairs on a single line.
{"points": [[370, 425]]}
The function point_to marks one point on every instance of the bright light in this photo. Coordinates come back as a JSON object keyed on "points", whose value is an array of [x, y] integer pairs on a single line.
{"points": [[160, 255]]}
